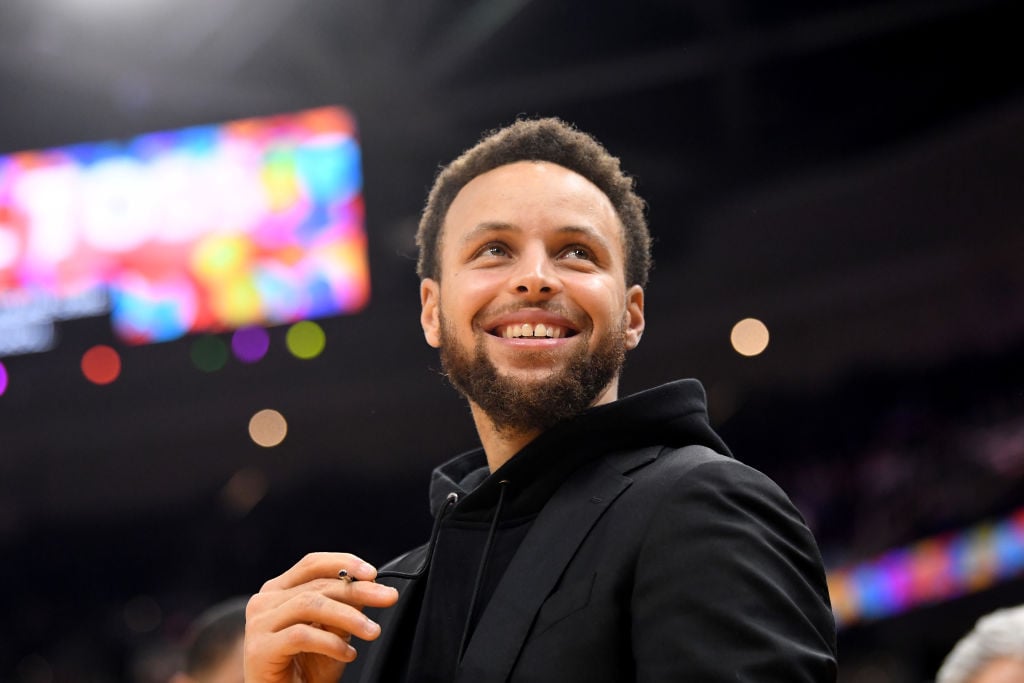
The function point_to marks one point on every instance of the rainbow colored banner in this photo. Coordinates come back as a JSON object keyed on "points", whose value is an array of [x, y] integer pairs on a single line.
{"points": [[256, 221], [930, 571]]}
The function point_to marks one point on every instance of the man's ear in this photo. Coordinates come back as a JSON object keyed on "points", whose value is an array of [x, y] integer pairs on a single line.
{"points": [[430, 313], [634, 316]]}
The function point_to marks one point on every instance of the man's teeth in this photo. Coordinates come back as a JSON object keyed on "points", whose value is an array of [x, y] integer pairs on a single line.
{"points": [[528, 330]]}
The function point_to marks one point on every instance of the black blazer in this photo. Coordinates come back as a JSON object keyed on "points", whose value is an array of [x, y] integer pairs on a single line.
{"points": [[656, 564]]}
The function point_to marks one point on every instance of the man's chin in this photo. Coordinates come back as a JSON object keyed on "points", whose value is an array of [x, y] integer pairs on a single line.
{"points": [[528, 378]]}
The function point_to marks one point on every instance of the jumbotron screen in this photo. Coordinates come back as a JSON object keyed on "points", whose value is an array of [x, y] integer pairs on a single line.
{"points": [[251, 222]]}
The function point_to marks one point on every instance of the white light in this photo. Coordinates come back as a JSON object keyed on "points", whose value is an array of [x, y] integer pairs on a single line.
{"points": [[47, 196], [117, 205], [749, 337], [268, 428]]}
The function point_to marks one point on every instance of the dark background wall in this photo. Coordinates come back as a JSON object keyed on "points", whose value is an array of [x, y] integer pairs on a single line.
{"points": [[848, 172]]}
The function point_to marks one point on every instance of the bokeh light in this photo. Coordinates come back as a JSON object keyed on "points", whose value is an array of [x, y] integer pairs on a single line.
{"points": [[244, 490], [3, 379], [101, 364], [268, 428], [749, 337], [209, 353], [250, 344], [305, 339]]}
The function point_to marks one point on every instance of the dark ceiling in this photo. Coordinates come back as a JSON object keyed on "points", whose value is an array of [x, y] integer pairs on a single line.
{"points": [[849, 172]]}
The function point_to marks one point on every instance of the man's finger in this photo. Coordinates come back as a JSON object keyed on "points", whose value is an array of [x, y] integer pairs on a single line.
{"points": [[322, 565], [303, 638], [340, 614]]}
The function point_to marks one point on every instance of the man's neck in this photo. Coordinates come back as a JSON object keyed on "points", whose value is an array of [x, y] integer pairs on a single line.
{"points": [[501, 444]]}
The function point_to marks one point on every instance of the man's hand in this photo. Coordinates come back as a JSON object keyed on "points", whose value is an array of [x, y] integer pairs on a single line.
{"points": [[297, 628]]}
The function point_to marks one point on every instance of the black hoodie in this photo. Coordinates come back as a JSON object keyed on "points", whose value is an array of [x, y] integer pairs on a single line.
{"points": [[479, 534]]}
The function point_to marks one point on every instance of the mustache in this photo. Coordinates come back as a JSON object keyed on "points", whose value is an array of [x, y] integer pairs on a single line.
{"points": [[581, 321]]}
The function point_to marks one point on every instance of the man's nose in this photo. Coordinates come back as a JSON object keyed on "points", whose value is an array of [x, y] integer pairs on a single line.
{"points": [[535, 274]]}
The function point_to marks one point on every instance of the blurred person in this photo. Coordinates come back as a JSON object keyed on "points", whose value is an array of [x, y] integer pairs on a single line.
{"points": [[590, 538], [213, 651], [993, 651]]}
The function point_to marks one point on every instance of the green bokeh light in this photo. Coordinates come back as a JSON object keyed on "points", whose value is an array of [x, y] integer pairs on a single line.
{"points": [[209, 353]]}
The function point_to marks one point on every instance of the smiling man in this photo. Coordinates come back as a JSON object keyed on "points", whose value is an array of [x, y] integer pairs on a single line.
{"points": [[590, 538], [534, 318]]}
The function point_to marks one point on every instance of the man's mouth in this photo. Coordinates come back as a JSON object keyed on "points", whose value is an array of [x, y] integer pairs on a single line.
{"points": [[531, 323], [533, 330]]}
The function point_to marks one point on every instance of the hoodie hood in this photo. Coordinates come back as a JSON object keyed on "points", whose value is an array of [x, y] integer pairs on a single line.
{"points": [[672, 415]]}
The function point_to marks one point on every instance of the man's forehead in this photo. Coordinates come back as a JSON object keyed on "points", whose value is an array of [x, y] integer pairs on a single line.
{"points": [[513, 190], [532, 170]]}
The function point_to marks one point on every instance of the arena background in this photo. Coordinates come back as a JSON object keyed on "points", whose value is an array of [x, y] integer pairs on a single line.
{"points": [[848, 172]]}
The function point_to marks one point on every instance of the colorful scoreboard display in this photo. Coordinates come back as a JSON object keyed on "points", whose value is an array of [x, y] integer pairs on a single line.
{"points": [[252, 222]]}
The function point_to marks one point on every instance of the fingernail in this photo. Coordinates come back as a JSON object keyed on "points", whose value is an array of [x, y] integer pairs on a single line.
{"points": [[371, 628], [365, 568]]}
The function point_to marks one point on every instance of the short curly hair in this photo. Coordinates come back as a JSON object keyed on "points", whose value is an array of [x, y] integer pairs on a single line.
{"points": [[546, 139]]}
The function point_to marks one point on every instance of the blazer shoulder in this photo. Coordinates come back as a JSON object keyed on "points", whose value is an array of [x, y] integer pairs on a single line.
{"points": [[692, 473], [686, 458], [697, 463], [666, 461]]}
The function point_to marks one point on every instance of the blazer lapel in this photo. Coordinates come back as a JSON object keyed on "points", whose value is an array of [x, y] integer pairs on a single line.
{"points": [[533, 572], [377, 653]]}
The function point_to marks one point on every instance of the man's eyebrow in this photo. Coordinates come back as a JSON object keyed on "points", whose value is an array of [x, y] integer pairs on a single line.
{"points": [[587, 232], [488, 227], [499, 227]]}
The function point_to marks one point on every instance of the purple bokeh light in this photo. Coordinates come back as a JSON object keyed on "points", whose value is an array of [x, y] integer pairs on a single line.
{"points": [[3, 379], [250, 344]]}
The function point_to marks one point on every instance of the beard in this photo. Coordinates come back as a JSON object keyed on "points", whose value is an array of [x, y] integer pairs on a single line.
{"points": [[515, 405]]}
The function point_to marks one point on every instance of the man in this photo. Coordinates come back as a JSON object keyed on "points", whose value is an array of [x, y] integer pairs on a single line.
{"points": [[590, 538], [993, 652]]}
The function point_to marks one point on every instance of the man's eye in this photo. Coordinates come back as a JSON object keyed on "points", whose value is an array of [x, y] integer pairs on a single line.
{"points": [[578, 253], [493, 250]]}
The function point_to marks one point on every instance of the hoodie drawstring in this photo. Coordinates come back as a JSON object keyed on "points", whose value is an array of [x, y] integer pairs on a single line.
{"points": [[482, 568], [451, 500]]}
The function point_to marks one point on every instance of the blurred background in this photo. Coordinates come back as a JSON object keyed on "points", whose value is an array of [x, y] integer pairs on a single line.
{"points": [[847, 173]]}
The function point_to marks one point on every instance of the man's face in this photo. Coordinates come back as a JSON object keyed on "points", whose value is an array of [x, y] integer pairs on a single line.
{"points": [[532, 314]]}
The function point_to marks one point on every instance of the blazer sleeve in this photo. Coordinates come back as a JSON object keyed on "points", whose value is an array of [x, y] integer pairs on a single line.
{"points": [[730, 585]]}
